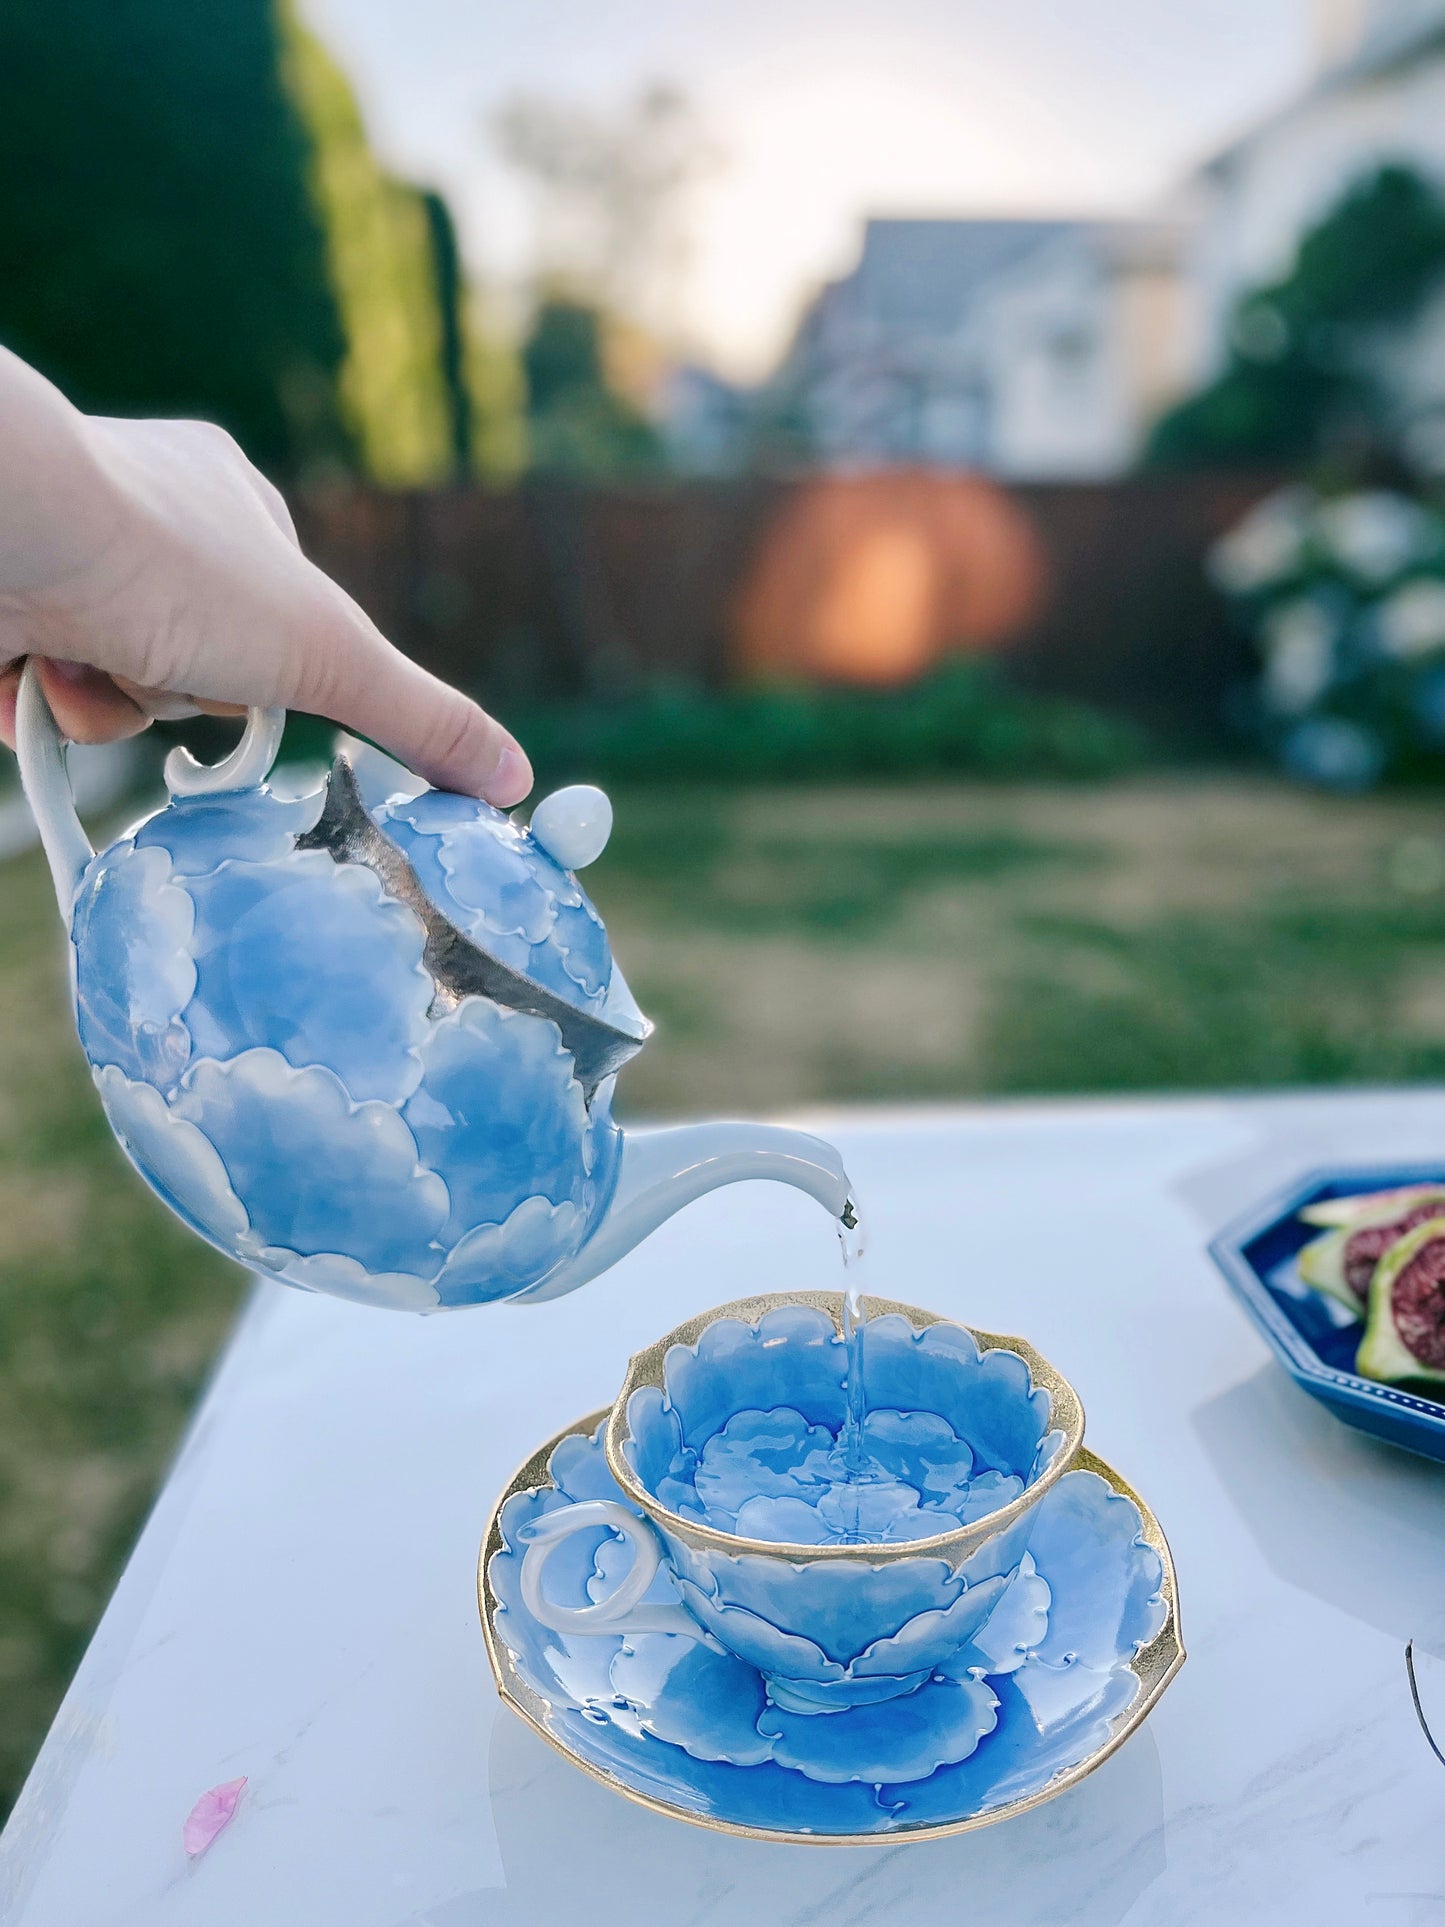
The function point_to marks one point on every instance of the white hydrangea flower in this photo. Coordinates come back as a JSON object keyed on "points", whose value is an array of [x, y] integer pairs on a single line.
{"points": [[1266, 546], [1412, 620], [1299, 642], [1374, 535]]}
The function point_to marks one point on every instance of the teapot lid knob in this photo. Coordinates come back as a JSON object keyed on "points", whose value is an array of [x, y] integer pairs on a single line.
{"points": [[573, 825]]}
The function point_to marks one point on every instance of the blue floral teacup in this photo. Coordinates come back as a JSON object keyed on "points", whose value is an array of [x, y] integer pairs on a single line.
{"points": [[842, 1507]]}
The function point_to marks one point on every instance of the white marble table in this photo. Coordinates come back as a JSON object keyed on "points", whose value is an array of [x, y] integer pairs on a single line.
{"points": [[300, 1608]]}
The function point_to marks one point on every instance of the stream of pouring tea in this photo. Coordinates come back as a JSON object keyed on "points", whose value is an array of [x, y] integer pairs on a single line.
{"points": [[852, 1241], [872, 1474]]}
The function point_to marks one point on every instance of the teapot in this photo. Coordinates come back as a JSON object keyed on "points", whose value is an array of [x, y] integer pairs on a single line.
{"points": [[367, 1043]]}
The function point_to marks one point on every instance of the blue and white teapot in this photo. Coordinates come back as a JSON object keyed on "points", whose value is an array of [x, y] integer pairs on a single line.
{"points": [[368, 1045]]}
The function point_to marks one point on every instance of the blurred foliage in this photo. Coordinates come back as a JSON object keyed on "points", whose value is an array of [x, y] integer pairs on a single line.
{"points": [[577, 422], [159, 248], [194, 223], [963, 719], [497, 390], [1343, 597], [607, 192], [1297, 381], [381, 262], [452, 316]]}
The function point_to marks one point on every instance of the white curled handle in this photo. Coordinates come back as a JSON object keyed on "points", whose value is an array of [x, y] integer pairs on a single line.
{"points": [[621, 1611], [41, 751], [43, 776], [248, 764]]}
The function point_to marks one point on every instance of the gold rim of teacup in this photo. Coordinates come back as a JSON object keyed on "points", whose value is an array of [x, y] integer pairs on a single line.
{"points": [[647, 1368]]}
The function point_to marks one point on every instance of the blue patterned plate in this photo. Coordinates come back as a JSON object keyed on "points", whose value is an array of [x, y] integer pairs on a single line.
{"points": [[668, 1723], [1311, 1335]]}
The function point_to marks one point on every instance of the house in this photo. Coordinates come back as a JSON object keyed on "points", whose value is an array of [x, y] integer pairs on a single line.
{"points": [[1378, 98], [1082, 342], [1027, 349], [703, 421]]}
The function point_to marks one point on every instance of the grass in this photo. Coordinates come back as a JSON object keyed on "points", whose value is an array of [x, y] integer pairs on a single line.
{"points": [[802, 946], [109, 1317], [795, 945]]}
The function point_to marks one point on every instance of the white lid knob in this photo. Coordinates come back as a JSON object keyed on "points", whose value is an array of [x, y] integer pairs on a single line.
{"points": [[573, 825]]}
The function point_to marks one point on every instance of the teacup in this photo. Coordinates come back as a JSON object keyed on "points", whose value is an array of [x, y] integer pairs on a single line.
{"points": [[846, 1551]]}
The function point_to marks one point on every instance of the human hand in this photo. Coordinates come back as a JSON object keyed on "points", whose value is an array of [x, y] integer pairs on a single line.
{"points": [[152, 572]]}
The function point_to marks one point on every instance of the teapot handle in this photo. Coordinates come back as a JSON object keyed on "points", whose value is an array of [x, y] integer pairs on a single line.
{"points": [[247, 766], [41, 752]]}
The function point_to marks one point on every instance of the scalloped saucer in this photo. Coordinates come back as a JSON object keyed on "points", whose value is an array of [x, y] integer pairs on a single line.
{"points": [[1087, 1641]]}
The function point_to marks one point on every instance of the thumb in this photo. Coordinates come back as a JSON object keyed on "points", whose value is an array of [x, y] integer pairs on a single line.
{"points": [[353, 675]]}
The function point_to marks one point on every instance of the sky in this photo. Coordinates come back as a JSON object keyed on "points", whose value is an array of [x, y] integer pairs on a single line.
{"points": [[822, 112]]}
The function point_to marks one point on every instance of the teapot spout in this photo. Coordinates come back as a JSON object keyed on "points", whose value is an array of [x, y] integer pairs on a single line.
{"points": [[661, 1171]]}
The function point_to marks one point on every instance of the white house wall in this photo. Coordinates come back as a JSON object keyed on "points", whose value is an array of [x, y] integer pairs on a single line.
{"points": [[1259, 199]]}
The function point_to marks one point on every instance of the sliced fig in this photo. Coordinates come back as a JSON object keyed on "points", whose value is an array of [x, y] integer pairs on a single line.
{"points": [[1404, 1339], [1343, 1261], [1338, 1211]]}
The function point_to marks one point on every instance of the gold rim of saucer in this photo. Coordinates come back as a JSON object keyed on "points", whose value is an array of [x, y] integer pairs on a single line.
{"points": [[1154, 1665], [646, 1368]]}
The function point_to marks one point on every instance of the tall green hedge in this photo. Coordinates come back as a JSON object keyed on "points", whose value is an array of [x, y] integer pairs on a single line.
{"points": [[160, 249], [192, 221]]}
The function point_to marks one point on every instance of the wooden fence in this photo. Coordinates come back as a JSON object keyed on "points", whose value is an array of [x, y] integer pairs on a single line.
{"points": [[555, 589]]}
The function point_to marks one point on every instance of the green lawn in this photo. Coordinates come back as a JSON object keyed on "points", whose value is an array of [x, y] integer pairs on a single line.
{"points": [[794, 946]]}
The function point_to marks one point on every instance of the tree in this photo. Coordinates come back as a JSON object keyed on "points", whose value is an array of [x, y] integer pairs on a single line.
{"points": [[193, 222], [577, 423], [160, 250], [607, 196], [1298, 375], [452, 313], [380, 253]]}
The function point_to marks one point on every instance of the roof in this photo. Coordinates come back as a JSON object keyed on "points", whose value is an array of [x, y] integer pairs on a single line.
{"points": [[922, 275], [1400, 32], [919, 279]]}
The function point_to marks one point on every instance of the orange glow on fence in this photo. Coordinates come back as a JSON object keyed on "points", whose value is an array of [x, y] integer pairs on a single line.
{"points": [[871, 579]]}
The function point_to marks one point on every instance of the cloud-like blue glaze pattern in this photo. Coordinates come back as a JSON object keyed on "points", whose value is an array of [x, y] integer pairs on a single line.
{"points": [[499, 886], [280, 1064], [794, 1357], [199, 833], [497, 1097], [744, 1436], [700, 1730], [135, 912], [364, 1016]]}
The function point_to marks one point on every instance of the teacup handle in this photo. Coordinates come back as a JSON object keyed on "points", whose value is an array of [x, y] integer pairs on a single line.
{"points": [[621, 1611]]}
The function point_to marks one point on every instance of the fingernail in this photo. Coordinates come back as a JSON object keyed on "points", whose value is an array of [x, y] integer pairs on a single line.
{"points": [[511, 779]]}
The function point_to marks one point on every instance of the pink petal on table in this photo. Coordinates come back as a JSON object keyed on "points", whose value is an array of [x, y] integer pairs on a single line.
{"points": [[210, 1815]]}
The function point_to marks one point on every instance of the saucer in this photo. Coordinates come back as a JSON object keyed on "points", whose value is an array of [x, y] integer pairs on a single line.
{"points": [[1073, 1659]]}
